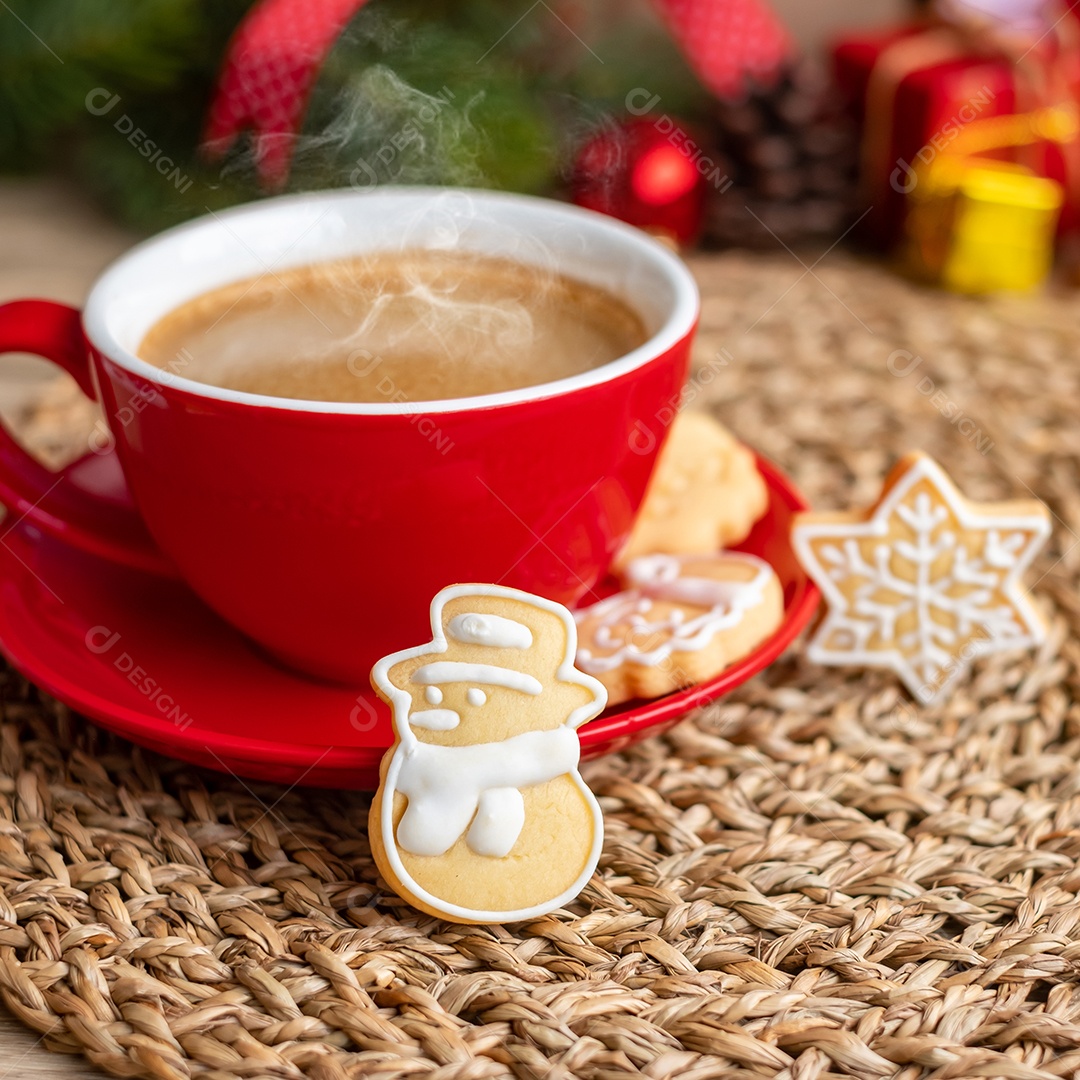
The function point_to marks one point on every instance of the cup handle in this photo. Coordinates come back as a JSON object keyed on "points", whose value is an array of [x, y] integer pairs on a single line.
{"points": [[86, 504]]}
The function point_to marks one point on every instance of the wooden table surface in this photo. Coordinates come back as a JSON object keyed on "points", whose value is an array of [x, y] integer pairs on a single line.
{"points": [[54, 246], [22, 1057]]}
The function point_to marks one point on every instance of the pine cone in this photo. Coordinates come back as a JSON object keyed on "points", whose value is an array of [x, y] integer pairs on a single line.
{"points": [[793, 154]]}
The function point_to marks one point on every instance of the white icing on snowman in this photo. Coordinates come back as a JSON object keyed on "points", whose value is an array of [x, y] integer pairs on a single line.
{"points": [[495, 630], [435, 719], [660, 577], [448, 787], [453, 671]]}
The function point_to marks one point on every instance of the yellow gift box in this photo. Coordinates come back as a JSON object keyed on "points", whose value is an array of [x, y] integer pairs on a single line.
{"points": [[975, 225]]}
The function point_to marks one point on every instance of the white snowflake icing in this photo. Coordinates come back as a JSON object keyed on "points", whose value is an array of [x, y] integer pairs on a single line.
{"points": [[925, 604]]}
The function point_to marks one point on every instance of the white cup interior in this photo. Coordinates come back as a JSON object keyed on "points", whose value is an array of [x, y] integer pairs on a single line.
{"points": [[294, 230]]}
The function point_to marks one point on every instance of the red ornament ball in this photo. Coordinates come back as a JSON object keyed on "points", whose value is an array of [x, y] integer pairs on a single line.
{"points": [[649, 172]]}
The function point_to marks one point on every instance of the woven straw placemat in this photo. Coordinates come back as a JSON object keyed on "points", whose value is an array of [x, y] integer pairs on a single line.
{"points": [[807, 880]]}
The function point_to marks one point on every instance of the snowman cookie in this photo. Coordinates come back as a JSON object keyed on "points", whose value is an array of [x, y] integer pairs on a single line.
{"points": [[706, 493], [481, 815], [682, 619]]}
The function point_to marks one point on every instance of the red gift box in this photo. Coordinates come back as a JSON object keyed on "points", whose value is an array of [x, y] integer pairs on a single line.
{"points": [[916, 106]]}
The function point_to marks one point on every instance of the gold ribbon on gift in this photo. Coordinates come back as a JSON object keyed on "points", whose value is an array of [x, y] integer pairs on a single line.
{"points": [[1043, 92], [1053, 123], [974, 224]]}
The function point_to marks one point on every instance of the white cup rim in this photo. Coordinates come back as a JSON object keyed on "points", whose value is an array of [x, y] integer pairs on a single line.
{"points": [[635, 246]]}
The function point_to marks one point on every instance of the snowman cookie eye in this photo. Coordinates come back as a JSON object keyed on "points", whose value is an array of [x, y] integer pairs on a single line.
{"points": [[433, 695], [475, 696]]}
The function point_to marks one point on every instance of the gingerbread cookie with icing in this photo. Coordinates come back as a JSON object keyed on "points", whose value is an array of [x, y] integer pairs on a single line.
{"points": [[706, 493], [923, 581], [481, 815], [682, 619]]}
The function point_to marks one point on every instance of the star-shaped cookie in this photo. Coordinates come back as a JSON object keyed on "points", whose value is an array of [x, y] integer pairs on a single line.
{"points": [[923, 581]]}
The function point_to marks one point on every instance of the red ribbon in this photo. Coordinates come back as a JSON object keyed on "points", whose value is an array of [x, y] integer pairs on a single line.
{"points": [[270, 67], [728, 42]]}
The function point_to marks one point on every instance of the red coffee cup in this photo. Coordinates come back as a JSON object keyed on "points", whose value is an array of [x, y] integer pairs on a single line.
{"points": [[323, 529]]}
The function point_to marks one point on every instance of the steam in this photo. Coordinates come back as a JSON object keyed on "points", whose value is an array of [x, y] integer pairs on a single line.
{"points": [[430, 307], [382, 130], [444, 321], [425, 317], [464, 308]]}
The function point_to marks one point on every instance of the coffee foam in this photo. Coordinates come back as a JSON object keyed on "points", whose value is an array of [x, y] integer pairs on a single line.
{"points": [[413, 325]]}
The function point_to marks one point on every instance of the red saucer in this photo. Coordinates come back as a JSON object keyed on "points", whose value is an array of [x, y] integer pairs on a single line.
{"points": [[140, 655]]}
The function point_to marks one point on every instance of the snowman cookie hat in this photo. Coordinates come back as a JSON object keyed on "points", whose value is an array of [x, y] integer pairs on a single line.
{"points": [[475, 646], [481, 814]]}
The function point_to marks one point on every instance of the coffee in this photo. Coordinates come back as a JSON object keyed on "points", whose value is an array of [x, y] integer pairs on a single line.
{"points": [[405, 326]]}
